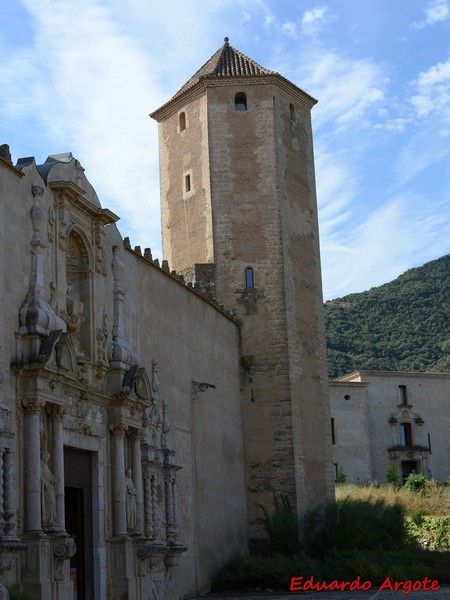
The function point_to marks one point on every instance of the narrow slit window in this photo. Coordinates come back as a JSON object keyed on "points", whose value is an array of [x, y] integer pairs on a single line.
{"points": [[182, 121], [249, 280], [292, 112], [333, 432], [402, 396], [240, 102], [187, 183]]}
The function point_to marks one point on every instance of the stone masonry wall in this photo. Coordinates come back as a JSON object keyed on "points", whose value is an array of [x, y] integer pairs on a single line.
{"points": [[192, 341]]}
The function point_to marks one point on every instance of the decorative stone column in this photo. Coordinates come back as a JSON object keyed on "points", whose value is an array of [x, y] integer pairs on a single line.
{"points": [[119, 488], [8, 508], [169, 508], [149, 484], [176, 518], [57, 414], [32, 469], [137, 476], [2, 500]]}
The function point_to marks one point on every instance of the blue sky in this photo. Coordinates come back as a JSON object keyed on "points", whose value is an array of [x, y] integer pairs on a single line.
{"points": [[83, 75]]}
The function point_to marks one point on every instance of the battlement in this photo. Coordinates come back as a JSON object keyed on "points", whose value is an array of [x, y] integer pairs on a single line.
{"points": [[200, 278]]}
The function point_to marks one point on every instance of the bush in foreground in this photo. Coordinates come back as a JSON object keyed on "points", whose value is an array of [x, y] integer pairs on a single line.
{"points": [[351, 523], [343, 541], [247, 573]]}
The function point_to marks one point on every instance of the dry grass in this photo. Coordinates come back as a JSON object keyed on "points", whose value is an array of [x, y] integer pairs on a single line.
{"points": [[434, 500]]}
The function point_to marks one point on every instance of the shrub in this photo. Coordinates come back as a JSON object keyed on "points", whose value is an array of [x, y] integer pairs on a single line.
{"points": [[15, 593], [354, 524], [430, 531], [249, 573], [415, 482], [341, 478], [391, 475], [282, 527], [417, 516], [246, 573]]}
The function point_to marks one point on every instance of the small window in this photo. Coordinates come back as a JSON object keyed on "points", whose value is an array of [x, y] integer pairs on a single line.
{"points": [[187, 183], [333, 434], [292, 112], [402, 397], [249, 281], [335, 470], [405, 435], [240, 102], [182, 121]]}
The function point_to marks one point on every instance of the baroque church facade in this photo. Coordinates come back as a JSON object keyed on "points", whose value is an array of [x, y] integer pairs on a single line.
{"points": [[146, 411]]}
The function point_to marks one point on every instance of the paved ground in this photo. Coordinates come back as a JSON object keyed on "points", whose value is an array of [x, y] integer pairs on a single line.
{"points": [[374, 594]]}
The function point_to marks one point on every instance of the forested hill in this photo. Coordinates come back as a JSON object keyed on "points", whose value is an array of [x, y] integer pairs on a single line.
{"points": [[403, 325]]}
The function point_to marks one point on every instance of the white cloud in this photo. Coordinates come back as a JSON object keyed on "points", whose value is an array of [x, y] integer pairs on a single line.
{"points": [[96, 81], [93, 70], [269, 20], [435, 12], [349, 90], [383, 246], [314, 20], [289, 28], [433, 92], [394, 125], [336, 187], [89, 81]]}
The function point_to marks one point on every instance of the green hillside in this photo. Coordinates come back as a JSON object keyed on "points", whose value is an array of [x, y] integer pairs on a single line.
{"points": [[403, 325]]}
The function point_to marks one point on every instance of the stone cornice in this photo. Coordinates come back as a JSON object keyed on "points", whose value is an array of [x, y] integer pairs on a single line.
{"points": [[11, 167], [199, 88], [77, 197]]}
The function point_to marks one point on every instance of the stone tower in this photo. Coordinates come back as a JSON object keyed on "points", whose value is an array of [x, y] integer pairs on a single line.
{"points": [[239, 219]]}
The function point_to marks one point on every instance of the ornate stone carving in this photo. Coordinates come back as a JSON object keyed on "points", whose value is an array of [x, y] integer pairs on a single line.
{"points": [[36, 315], [48, 493], [63, 221], [5, 419], [161, 512], [5, 153], [51, 220], [121, 356], [131, 502], [53, 297], [74, 311], [100, 261], [155, 382], [63, 550], [65, 354], [103, 342]]}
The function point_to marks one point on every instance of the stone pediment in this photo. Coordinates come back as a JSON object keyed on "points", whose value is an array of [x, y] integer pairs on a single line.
{"points": [[142, 385], [65, 354]]}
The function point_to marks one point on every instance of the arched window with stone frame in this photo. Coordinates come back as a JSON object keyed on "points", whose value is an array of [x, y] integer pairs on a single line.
{"points": [[79, 293]]}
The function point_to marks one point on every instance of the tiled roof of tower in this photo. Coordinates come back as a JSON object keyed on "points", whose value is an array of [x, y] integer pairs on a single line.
{"points": [[226, 62]]}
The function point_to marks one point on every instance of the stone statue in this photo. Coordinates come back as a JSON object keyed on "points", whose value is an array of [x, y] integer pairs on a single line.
{"points": [[155, 382], [131, 501], [48, 492], [74, 311], [103, 341]]}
